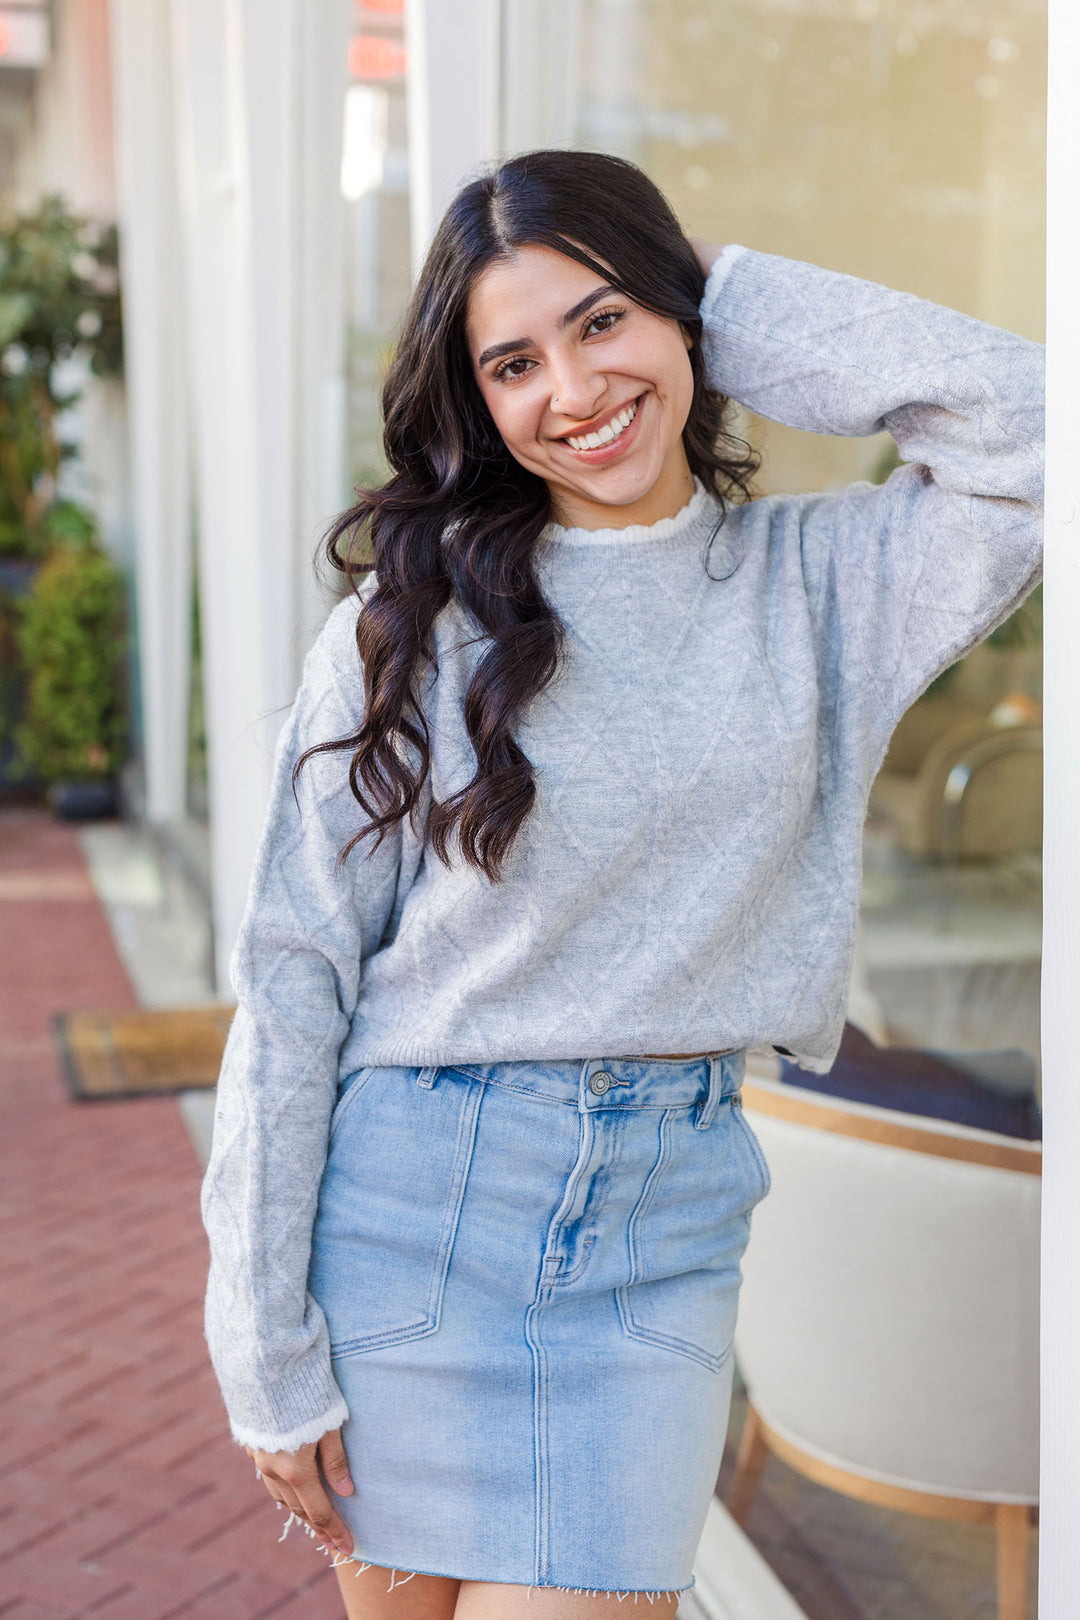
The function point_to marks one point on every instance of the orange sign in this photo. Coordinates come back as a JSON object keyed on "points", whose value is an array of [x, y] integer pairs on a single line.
{"points": [[375, 56]]}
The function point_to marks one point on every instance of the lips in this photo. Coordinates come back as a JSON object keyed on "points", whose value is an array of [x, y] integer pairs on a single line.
{"points": [[609, 437], [607, 432]]}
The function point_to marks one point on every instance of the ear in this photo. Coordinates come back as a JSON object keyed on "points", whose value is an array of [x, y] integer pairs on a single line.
{"points": [[687, 338]]}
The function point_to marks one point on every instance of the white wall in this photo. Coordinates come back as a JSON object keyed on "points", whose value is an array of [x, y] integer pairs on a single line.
{"points": [[1059, 1563]]}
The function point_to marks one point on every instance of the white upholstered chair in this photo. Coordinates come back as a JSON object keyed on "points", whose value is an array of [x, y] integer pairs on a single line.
{"points": [[888, 1325]]}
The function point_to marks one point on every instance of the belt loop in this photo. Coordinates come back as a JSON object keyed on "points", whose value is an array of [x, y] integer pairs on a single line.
{"points": [[707, 1108], [427, 1077]]}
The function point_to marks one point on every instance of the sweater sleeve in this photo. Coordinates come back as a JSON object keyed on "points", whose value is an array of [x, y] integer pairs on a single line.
{"points": [[308, 926], [905, 577]]}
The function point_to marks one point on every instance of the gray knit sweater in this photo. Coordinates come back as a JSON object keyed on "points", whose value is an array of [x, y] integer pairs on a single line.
{"points": [[689, 878]]}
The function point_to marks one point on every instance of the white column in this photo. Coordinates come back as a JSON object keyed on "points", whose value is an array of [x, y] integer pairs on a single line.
{"points": [[323, 483], [243, 565], [453, 104], [540, 68], [1059, 1560], [242, 82], [155, 375]]}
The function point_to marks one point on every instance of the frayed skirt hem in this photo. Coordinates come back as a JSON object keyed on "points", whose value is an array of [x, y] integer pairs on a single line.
{"points": [[399, 1574]]}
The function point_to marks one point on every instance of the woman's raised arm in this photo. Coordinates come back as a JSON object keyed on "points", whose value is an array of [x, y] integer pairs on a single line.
{"points": [[905, 577]]}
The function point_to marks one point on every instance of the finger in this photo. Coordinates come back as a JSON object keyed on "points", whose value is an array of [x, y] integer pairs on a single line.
{"points": [[287, 1499], [335, 1464], [705, 252], [319, 1512], [287, 1502]]}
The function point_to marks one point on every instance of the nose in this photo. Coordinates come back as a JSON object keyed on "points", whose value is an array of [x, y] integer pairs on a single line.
{"points": [[576, 387]]}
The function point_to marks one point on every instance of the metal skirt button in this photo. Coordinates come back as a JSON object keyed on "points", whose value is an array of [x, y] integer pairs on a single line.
{"points": [[600, 1082]]}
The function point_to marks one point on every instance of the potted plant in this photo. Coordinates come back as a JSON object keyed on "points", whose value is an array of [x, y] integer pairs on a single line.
{"points": [[59, 318], [71, 642]]}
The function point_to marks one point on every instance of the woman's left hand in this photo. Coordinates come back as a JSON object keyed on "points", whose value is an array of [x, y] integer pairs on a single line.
{"points": [[295, 1481]]}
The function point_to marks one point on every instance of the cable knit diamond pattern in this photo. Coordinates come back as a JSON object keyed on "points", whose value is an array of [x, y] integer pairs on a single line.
{"points": [[689, 879]]}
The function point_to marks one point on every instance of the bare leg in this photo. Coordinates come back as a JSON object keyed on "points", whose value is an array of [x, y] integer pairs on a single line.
{"points": [[368, 1594], [484, 1600]]}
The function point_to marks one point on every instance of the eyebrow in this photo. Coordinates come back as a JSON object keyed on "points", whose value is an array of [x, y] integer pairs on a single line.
{"points": [[498, 350]]}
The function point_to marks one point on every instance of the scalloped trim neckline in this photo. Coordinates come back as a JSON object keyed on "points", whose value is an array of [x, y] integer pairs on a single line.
{"points": [[667, 528]]}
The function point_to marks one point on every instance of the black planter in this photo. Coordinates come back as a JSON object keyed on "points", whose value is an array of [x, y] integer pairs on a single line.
{"points": [[85, 801], [17, 574]]}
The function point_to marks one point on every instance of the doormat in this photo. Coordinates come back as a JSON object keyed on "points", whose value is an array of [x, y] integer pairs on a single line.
{"points": [[146, 1053]]}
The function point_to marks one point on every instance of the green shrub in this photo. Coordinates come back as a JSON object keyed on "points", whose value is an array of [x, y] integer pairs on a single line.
{"points": [[72, 645], [59, 297]]}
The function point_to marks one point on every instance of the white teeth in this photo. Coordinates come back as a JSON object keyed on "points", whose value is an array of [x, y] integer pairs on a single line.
{"points": [[604, 435]]}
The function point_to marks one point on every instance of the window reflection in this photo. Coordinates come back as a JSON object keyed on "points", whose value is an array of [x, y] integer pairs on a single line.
{"points": [[902, 141]]}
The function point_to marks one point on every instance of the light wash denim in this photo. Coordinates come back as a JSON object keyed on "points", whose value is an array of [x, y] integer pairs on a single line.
{"points": [[688, 878], [530, 1274]]}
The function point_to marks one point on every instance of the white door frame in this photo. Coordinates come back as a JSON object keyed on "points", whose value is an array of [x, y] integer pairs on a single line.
{"points": [[156, 379], [258, 90], [1059, 1553]]}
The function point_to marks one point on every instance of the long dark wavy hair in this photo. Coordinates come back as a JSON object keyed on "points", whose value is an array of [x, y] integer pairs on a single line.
{"points": [[460, 518]]}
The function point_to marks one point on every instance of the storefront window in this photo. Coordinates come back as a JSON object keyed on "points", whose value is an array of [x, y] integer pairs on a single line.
{"points": [[902, 141], [899, 141]]}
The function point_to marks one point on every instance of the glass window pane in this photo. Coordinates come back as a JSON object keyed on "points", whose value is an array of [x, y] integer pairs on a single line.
{"points": [[901, 141]]}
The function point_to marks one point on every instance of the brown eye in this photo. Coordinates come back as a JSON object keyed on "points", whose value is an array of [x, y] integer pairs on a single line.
{"points": [[603, 321], [516, 367]]}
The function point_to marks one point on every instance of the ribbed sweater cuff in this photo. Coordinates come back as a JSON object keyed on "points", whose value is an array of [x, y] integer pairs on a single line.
{"points": [[718, 275], [292, 1439], [295, 1411]]}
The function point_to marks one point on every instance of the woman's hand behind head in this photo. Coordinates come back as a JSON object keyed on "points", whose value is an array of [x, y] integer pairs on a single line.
{"points": [[706, 253]]}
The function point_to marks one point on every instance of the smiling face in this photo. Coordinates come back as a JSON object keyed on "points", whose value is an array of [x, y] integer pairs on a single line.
{"points": [[588, 390]]}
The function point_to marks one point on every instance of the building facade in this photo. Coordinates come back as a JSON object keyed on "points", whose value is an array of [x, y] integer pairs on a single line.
{"points": [[277, 169]]}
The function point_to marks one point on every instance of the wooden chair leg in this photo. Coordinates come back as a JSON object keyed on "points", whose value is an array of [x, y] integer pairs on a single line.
{"points": [[1012, 1560], [753, 1451]]}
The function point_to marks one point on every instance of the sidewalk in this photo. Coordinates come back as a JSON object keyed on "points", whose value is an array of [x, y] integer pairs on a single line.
{"points": [[121, 1495]]}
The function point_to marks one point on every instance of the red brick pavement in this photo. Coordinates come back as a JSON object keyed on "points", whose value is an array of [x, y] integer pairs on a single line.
{"points": [[121, 1495]]}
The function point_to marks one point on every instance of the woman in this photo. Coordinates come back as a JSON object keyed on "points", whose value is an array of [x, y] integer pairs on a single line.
{"points": [[480, 1182]]}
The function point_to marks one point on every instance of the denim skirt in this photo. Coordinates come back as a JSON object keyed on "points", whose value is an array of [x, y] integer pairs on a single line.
{"points": [[530, 1273]]}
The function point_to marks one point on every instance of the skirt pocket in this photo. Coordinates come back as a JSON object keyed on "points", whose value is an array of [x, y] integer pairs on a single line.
{"points": [[389, 1204], [748, 1131], [687, 1236]]}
